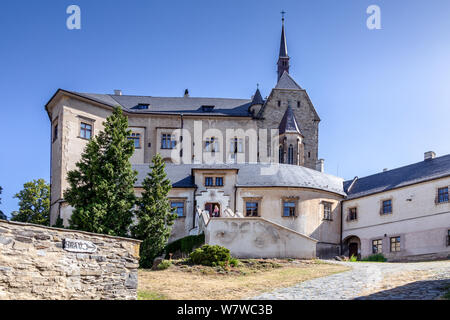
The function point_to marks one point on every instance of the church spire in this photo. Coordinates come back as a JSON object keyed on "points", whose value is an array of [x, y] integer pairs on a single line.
{"points": [[283, 59]]}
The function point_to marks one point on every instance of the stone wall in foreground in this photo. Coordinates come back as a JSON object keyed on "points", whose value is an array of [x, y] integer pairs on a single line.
{"points": [[34, 264]]}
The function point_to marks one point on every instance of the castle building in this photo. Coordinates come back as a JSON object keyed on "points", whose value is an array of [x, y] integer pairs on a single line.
{"points": [[254, 161]]}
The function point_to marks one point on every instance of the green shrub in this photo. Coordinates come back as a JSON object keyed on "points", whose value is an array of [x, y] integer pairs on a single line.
{"points": [[186, 244], [234, 262], [375, 257], [211, 256], [353, 258], [164, 264]]}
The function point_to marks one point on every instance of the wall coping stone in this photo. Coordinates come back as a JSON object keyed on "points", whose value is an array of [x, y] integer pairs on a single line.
{"points": [[68, 230]]}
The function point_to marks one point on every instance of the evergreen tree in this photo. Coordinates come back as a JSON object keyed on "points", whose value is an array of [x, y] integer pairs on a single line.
{"points": [[154, 213], [34, 203], [101, 188], [2, 215]]}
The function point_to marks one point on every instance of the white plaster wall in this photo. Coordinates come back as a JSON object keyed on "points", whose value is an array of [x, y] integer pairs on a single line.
{"points": [[416, 218], [258, 238]]}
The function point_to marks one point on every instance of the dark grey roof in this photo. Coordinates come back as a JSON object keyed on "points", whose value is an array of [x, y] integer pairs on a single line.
{"points": [[179, 175], [257, 98], [289, 123], [286, 82], [254, 175], [173, 105], [283, 43], [414, 173]]}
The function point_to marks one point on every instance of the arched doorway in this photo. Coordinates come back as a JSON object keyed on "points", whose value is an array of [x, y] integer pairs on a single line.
{"points": [[352, 246]]}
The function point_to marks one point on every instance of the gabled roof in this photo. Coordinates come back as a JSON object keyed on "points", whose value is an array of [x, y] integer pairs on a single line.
{"points": [[286, 82], [414, 173], [257, 98], [169, 105], [288, 123]]}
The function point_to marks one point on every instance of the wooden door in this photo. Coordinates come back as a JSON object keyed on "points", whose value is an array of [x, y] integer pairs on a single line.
{"points": [[352, 249]]}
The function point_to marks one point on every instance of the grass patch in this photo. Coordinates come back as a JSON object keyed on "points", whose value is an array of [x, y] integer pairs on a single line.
{"points": [[249, 278], [149, 295], [446, 295]]}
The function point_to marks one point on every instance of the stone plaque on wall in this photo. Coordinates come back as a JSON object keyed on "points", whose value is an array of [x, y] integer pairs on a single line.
{"points": [[82, 246]]}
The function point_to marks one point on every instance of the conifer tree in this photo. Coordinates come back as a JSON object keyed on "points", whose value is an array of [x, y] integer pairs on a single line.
{"points": [[154, 213], [101, 188]]}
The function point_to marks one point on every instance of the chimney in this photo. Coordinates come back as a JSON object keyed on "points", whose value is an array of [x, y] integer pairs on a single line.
{"points": [[186, 93], [118, 92], [319, 165], [429, 155]]}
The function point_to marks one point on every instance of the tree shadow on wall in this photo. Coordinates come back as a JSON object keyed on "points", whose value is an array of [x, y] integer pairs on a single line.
{"points": [[419, 290]]}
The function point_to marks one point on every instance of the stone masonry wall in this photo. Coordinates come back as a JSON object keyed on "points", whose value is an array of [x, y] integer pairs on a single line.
{"points": [[34, 265]]}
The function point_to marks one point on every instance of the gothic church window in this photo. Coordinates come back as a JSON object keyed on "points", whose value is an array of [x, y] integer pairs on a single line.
{"points": [[291, 154]]}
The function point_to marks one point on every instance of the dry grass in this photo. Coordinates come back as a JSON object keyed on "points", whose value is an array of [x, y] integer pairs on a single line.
{"points": [[250, 278]]}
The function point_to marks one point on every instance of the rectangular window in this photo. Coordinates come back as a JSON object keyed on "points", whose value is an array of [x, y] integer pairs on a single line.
{"points": [[219, 181], [85, 130], [377, 246], [211, 145], [289, 209], [448, 238], [236, 145], [136, 137], [167, 141], [179, 207], [442, 195], [209, 182], [327, 211], [251, 209], [386, 207], [352, 214], [395, 244], [55, 131]]}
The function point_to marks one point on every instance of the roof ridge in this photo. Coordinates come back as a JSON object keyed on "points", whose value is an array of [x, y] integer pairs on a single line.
{"points": [[402, 167]]}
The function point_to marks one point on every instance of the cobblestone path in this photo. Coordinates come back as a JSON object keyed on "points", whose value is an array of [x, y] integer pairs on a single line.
{"points": [[372, 280]]}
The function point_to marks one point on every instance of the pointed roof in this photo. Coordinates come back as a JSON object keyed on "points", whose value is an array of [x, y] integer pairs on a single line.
{"points": [[289, 123], [283, 43], [257, 98], [286, 82]]}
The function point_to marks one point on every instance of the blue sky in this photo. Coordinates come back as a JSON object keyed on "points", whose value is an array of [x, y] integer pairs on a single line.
{"points": [[383, 95]]}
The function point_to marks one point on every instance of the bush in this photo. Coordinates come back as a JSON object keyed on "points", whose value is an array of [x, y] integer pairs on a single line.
{"points": [[211, 256], [375, 257], [164, 265], [186, 244], [234, 262], [353, 258]]}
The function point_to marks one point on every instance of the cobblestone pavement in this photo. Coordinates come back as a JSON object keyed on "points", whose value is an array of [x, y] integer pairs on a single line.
{"points": [[372, 280]]}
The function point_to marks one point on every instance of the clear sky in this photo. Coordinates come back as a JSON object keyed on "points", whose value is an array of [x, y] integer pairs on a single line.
{"points": [[383, 95]]}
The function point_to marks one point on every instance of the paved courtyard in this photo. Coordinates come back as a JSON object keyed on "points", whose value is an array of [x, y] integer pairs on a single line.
{"points": [[371, 280]]}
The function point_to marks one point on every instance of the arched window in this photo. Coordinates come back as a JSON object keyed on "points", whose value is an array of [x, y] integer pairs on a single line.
{"points": [[291, 154], [281, 155]]}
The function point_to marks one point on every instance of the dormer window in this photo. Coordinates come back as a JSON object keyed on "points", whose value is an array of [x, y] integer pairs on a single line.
{"points": [[141, 106], [208, 108]]}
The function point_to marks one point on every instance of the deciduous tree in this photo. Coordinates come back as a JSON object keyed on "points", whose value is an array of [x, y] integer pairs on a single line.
{"points": [[34, 203]]}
